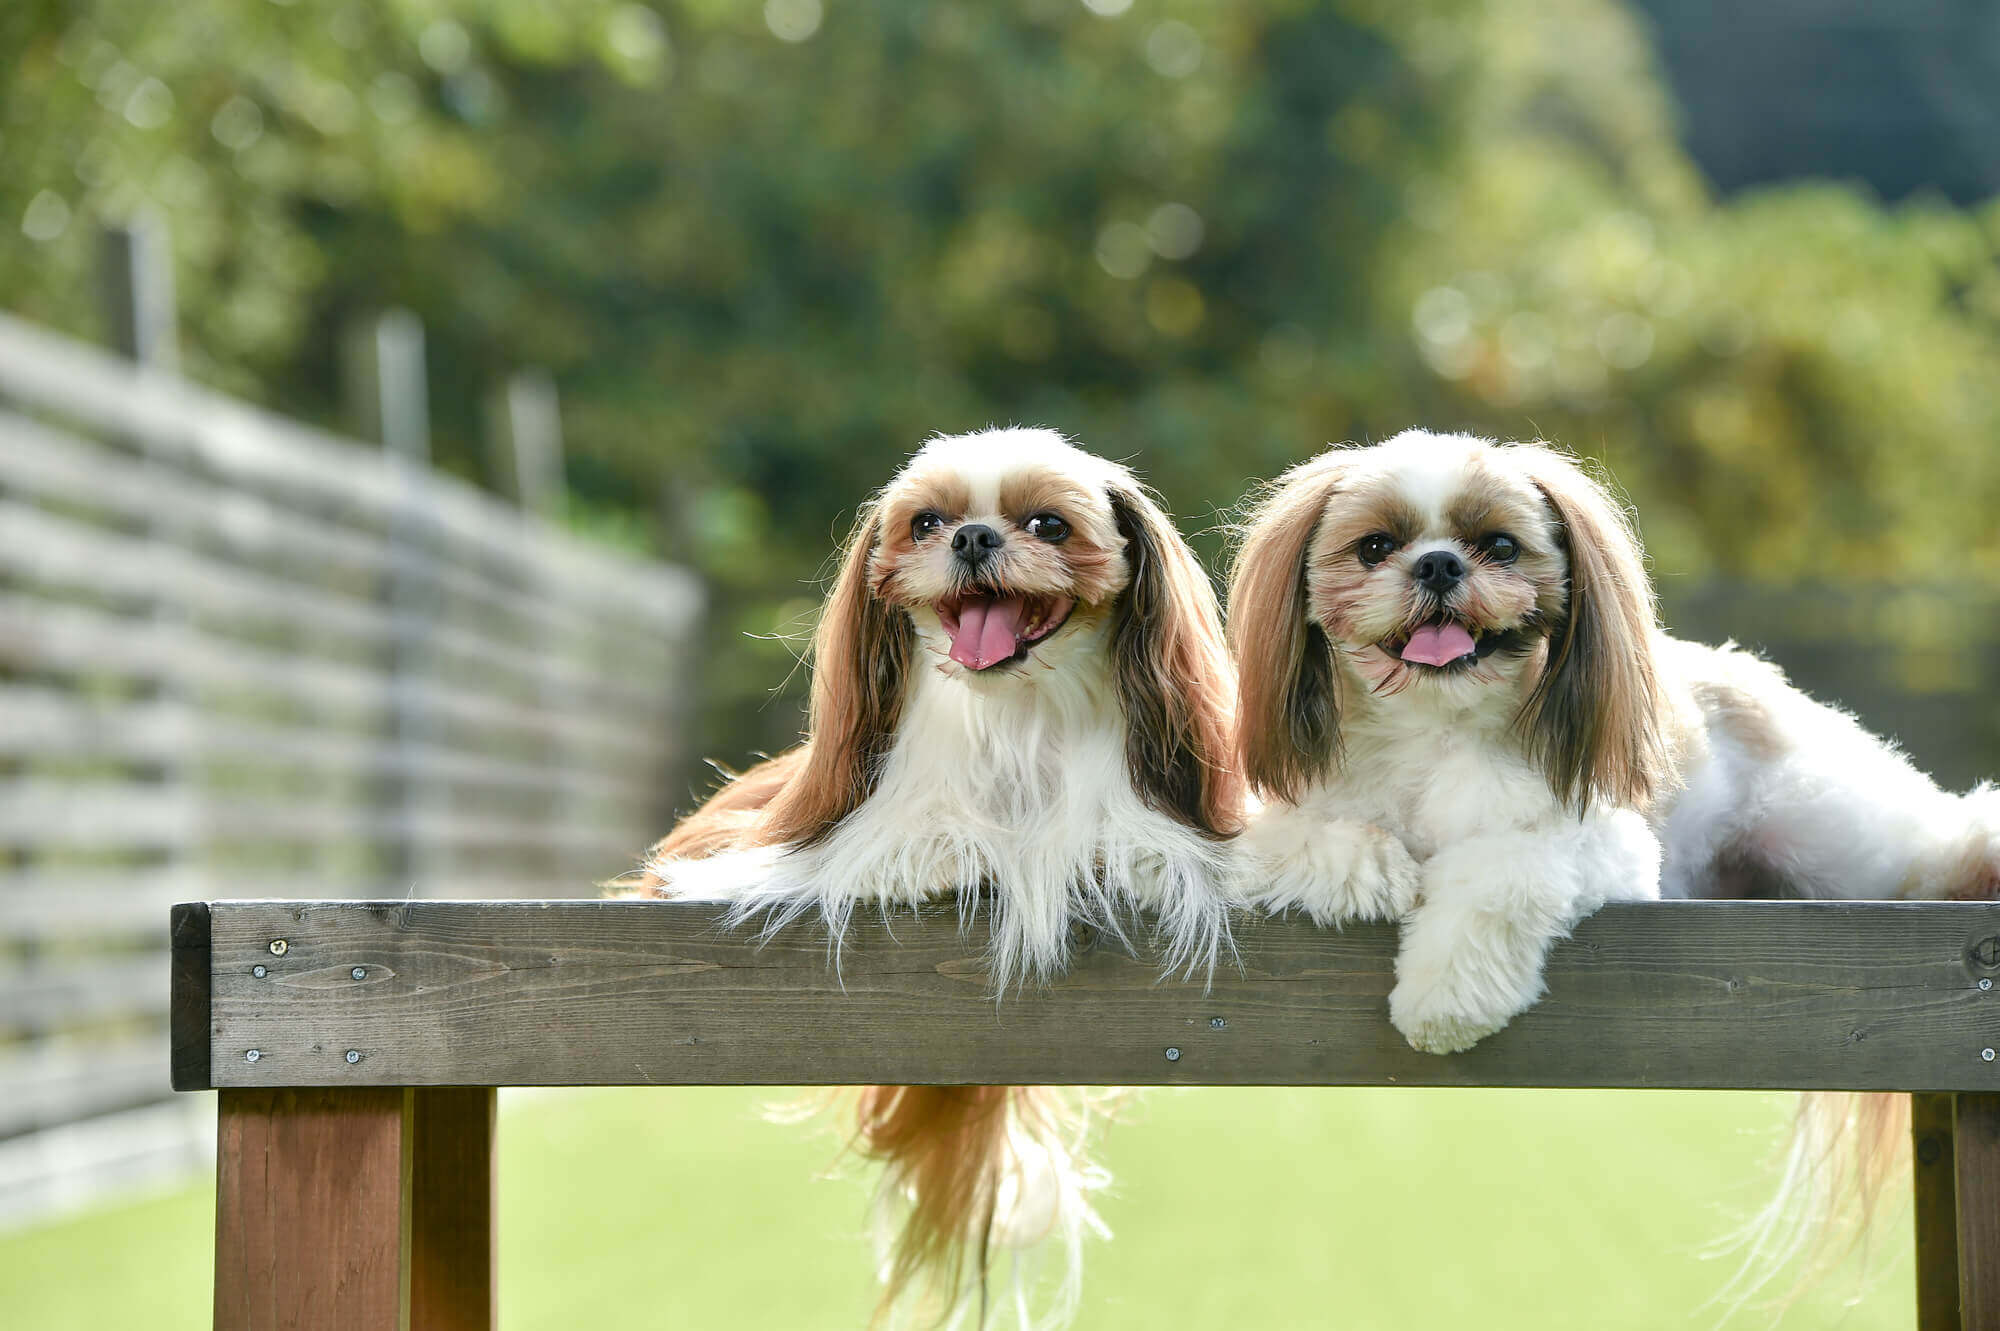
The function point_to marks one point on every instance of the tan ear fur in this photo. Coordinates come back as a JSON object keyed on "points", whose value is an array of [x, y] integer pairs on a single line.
{"points": [[1175, 681], [861, 661], [1288, 720], [1596, 718]]}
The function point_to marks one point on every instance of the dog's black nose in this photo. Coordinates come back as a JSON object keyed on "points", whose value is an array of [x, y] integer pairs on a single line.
{"points": [[975, 542], [1439, 570]]}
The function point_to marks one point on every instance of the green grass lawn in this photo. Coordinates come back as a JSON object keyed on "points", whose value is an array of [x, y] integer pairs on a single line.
{"points": [[1270, 1209]]}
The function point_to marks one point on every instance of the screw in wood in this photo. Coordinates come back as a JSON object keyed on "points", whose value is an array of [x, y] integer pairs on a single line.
{"points": [[259, 972], [1173, 1055], [1217, 1023], [354, 1055], [279, 947], [252, 1055], [1986, 1054], [1985, 984], [359, 972]]}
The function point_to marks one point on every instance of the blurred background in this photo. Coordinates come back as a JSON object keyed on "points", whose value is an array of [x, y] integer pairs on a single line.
{"points": [[423, 423]]}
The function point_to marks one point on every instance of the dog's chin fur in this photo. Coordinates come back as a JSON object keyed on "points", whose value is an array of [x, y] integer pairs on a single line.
{"points": [[1491, 805]]}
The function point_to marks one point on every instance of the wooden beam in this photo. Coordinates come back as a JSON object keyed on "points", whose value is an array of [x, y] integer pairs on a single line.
{"points": [[1803, 995], [188, 996], [452, 1273], [1976, 1134], [1935, 1181], [312, 1210]]}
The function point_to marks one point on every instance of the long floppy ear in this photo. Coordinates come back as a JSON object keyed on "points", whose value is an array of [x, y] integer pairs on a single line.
{"points": [[861, 660], [1288, 716], [1595, 720], [1174, 679]]}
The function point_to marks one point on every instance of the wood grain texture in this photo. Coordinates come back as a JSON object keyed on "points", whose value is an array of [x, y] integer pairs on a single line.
{"points": [[1820, 995], [1934, 1178], [312, 1210], [1976, 1134], [188, 996], [452, 1274]]}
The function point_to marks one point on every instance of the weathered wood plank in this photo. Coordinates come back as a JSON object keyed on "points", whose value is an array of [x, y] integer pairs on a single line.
{"points": [[56, 551], [49, 723], [1936, 1211], [130, 814], [262, 450], [452, 1271], [55, 465], [57, 991], [1976, 1135], [1860, 996], [57, 1082], [45, 635], [312, 1210]]}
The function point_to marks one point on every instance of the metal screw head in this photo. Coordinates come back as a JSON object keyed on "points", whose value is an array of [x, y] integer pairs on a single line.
{"points": [[252, 1055], [1173, 1055], [259, 972], [354, 1055], [1986, 984], [359, 972], [1217, 1023], [1986, 1054], [279, 947]]}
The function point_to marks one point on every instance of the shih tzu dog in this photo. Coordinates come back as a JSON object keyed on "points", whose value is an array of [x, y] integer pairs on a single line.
{"points": [[1461, 710], [1462, 713], [1021, 700]]}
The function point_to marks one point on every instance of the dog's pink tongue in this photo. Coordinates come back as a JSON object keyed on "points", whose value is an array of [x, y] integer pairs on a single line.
{"points": [[988, 632], [1438, 644]]}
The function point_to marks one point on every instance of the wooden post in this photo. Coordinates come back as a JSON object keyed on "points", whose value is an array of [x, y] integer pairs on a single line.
{"points": [[136, 275], [1935, 1166], [525, 443], [312, 1210], [452, 1273], [345, 1209], [389, 402], [388, 397], [1976, 1135]]}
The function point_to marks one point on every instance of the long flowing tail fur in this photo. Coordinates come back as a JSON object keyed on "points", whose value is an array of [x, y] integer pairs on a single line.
{"points": [[1847, 1150], [970, 1173], [1843, 1155]]}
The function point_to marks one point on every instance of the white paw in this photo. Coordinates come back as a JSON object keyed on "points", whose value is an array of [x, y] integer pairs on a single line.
{"points": [[1440, 1017], [1334, 870]]}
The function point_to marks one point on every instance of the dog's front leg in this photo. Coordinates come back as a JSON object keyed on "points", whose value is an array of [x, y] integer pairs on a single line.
{"points": [[1472, 952], [1331, 867]]}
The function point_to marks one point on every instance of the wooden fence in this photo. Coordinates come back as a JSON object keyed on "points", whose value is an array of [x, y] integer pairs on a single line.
{"points": [[237, 652]]}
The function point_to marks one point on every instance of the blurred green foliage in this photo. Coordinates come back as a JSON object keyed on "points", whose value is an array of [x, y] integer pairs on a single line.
{"points": [[767, 248]]}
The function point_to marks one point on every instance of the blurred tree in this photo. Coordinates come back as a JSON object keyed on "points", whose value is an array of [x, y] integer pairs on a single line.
{"points": [[766, 248]]}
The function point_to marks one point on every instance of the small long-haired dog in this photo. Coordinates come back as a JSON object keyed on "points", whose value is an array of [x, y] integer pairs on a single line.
{"points": [[1459, 706], [1021, 699]]}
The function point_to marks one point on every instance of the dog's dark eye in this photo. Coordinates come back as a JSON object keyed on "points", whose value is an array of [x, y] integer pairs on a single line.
{"points": [[924, 524], [1374, 549], [1047, 527], [1500, 548]]}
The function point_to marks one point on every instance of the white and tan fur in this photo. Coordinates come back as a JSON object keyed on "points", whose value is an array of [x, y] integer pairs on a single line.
{"points": [[1492, 804], [1085, 779]]}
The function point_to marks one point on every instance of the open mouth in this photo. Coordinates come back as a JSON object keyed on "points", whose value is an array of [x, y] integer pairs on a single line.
{"points": [[988, 629], [1446, 644]]}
